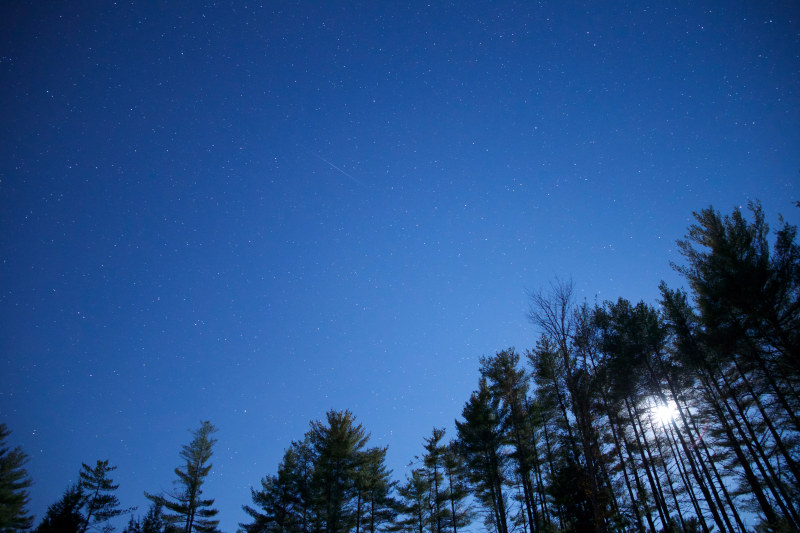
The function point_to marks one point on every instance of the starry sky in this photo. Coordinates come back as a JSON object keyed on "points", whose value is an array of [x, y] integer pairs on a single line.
{"points": [[253, 213]]}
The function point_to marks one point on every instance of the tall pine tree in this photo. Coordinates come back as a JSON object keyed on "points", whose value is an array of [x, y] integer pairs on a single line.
{"points": [[480, 439], [64, 516], [339, 445], [98, 489], [185, 506], [13, 482]]}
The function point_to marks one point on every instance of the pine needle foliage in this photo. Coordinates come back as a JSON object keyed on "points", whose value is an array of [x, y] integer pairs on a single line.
{"points": [[185, 509], [14, 481], [99, 500]]}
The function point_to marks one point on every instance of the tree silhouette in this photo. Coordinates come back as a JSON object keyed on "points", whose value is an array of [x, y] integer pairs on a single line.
{"points": [[14, 481], [414, 504], [185, 505], [64, 516], [481, 441], [100, 502], [338, 444]]}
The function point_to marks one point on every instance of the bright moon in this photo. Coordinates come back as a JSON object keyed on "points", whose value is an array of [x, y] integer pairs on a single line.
{"points": [[666, 412]]}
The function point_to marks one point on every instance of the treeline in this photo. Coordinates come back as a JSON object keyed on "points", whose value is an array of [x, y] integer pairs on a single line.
{"points": [[623, 417], [90, 504]]}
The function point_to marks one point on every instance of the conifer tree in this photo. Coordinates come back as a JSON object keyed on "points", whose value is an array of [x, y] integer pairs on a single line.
{"points": [[64, 516], [742, 343], [150, 523], [338, 444], [414, 503], [374, 502], [330, 482], [480, 438], [509, 383], [100, 502], [186, 507], [153, 521], [434, 468], [274, 501], [282, 502], [13, 482], [461, 513]]}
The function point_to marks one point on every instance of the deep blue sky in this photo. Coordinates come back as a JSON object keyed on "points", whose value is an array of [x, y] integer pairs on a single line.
{"points": [[256, 213]]}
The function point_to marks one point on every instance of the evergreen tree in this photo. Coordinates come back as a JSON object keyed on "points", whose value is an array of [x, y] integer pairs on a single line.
{"points": [[509, 383], [330, 482], [64, 516], [414, 503], [153, 521], [461, 513], [274, 501], [150, 523], [134, 526], [743, 344], [339, 445], [100, 502], [282, 503], [13, 482], [480, 439], [433, 462], [374, 502], [185, 506]]}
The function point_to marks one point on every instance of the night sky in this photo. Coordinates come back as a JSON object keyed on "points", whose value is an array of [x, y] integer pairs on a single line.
{"points": [[255, 213]]}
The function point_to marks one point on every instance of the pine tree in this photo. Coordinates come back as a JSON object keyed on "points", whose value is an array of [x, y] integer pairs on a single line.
{"points": [[480, 439], [282, 502], [374, 502], [185, 506], [414, 503], [508, 382], [274, 501], [64, 516], [434, 468], [134, 526], [13, 482], [100, 502], [150, 523], [461, 513], [153, 521], [330, 482], [742, 341], [338, 444]]}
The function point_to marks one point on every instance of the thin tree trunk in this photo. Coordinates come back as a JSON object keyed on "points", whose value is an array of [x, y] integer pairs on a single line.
{"points": [[770, 377], [790, 461], [522, 463], [680, 461], [639, 487], [645, 463], [550, 461], [624, 466], [537, 471], [715, 402], [701, 447], [753, 444], [663, 456], [452, 500], [696, 472], [660, 499]]}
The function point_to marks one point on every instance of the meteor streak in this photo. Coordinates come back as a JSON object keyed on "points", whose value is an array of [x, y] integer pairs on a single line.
{"points": [[334, 166]]}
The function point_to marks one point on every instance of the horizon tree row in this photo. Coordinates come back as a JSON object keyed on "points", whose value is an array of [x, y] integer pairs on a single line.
{"points": [[683, 416], [90, 504], [630, 417]]}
